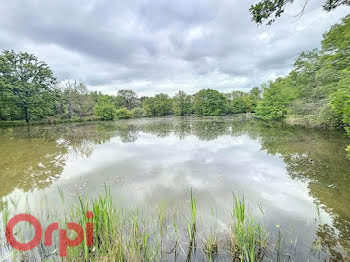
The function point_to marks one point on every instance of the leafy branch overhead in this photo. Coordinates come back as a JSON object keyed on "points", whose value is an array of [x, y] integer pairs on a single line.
{"points": [[270, 10]]}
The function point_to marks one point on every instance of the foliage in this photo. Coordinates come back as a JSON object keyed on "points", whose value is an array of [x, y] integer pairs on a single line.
{"points": [[82, 101], [159, 105], [341, 106], [277, 97], [236, 102], [105, 109], [75, 100], [124, 113], [209, 102], [272, 9], [255, 97], [138, 112], [26, 84], [241, 102], [182, 104], [309, 87], [119, 102], [149, 106], [65, 103], [127, 98], [317, 88], [9, 110], [337, 38], [327, 117]]}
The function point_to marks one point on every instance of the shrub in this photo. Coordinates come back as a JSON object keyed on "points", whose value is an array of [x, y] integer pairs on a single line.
{"points": [[138, 112], [124, 113], [341, 106], [105, 111], [277, 96], [328, 118]]}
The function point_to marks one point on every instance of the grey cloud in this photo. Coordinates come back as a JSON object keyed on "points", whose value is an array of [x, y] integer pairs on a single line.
{"points": [[161, 46], [160, 14]]}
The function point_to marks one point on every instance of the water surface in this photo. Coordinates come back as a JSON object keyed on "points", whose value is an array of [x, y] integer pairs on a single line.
{"points": [[300, 178]]}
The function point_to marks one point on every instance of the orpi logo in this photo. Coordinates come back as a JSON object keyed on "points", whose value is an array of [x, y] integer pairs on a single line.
{"points": [[64, 241]]}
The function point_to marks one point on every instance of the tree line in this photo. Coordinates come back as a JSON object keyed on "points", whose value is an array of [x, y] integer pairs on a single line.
{"points": [[29, 91]]}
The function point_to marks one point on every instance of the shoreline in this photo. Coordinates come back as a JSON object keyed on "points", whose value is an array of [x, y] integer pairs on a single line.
{"points": [[290, 120]]}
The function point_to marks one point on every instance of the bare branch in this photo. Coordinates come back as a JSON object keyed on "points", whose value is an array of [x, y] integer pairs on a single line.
{"points": [[300, 14]]}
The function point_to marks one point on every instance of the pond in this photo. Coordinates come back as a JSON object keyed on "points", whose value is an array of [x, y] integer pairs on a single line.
{"points": [[295, 180]]}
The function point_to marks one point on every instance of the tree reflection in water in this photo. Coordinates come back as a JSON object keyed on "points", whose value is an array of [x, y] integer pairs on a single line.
{"points": [[33, 157]]}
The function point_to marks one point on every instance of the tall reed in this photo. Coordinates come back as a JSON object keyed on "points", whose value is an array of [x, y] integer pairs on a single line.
{"points": [[131, 235], [247, 237]]}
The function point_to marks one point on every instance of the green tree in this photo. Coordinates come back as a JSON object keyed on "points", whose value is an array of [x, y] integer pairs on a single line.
{"points": [[164, 104], [105, 109], [119, 102], [341, 106], [124, 113], [307, 91], [148, 105], [82, 101], [182, 104], [209, 102], [336, 44], [9, 110], [237, 103], [276, 98], [127, 98], [240, 102], [69, 97], [30, 82], [270, 10], [254, 97], [159, 105], [5, 109]]}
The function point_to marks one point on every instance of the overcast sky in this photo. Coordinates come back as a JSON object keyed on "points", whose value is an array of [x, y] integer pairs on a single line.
{"points": [[161, 46]]}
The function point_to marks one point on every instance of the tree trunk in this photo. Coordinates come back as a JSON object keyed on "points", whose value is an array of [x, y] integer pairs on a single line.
{"points": [[70, 110], [26, 116]]}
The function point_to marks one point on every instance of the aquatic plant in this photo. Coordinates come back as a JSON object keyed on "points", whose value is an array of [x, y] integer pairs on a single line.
{"points": [[134, 235], [247, 237]]}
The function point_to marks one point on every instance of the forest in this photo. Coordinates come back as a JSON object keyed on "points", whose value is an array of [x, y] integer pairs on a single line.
{"points": [[315, 93]]}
